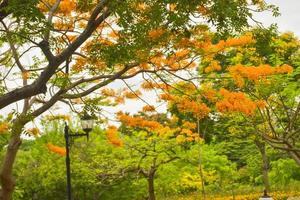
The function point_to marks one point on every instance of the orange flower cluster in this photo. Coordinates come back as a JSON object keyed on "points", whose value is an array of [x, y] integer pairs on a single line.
{"points": [[236, 102], [148, 108], [65, 6], [79, 64], [209, 94], [138, 122], [186, 135], [149, 85], [141, 6], [200, 110], [189, 125], [172, 7], [156, 33], [213, 66], [144, 66], [112, 136], [231, 42], [4, 127], [166, 97], [239, 72], [132, 95], [25, 75], [119, 99], [203, 10], [56, 149], [114, 35], [178, 60], [241, 41], [63, 25], [108, 92]]}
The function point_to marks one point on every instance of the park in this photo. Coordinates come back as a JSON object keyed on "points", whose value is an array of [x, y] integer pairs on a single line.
{"points": [[149, 100]]}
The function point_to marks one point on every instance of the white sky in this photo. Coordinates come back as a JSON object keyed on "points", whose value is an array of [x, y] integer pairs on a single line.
{"points": [[288, 20]]}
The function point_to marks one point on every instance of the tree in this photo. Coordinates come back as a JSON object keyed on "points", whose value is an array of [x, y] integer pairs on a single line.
{"points": [[261, 84], [249, 80], [97, 167], [80, 46], [153, 141]]}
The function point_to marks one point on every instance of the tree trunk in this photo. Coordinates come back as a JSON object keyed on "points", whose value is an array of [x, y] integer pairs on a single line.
{"points": [[150, 179], [6, 176], [265, 164]]}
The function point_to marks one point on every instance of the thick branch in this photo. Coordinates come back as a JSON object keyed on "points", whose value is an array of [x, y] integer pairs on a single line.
{"points": [[3, 12], [39, 86]]}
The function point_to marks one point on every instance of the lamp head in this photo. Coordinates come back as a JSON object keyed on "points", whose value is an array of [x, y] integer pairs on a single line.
{"points": [[87, 122]]}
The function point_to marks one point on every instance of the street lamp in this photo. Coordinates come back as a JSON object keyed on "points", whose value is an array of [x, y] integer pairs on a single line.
{"points": [[87, 123]]}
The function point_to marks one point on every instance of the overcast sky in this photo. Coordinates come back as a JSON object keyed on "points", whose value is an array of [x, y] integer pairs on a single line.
{"points": [[289, 20]]}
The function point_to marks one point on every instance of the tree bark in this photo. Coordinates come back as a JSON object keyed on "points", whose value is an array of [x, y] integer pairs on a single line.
{"points": [[265, 164], [6, 176], [151, 191]]}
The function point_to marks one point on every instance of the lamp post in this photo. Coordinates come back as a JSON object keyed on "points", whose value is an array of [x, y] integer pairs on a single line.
{"points": [[87, 123]]}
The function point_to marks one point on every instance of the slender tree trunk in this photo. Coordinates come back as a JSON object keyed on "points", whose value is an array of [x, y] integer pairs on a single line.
{"points": [[6, 176], [202, 176], [151, 190], [200, 162], [265, 164], [6, 173]]}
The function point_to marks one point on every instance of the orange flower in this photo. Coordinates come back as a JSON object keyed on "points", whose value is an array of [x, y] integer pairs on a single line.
{"points": [[214, 66], [25, 75], [4, 127], [132, 95], [147, 85], [138, 121], [172, 7], [67, 6], [108, 92], [56, 149], [145, 66], [241, 41], [253, 73], [148, 108], [142, 6], [261, 104], [112, 136], [79, 64], [235, 102], [119, 99], [200, 110], [156, 33], [166, 97], [114, 35]]}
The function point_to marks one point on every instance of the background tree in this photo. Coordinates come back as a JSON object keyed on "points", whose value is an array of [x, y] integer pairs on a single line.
{"points": [[153, 141], [259, 79]]}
